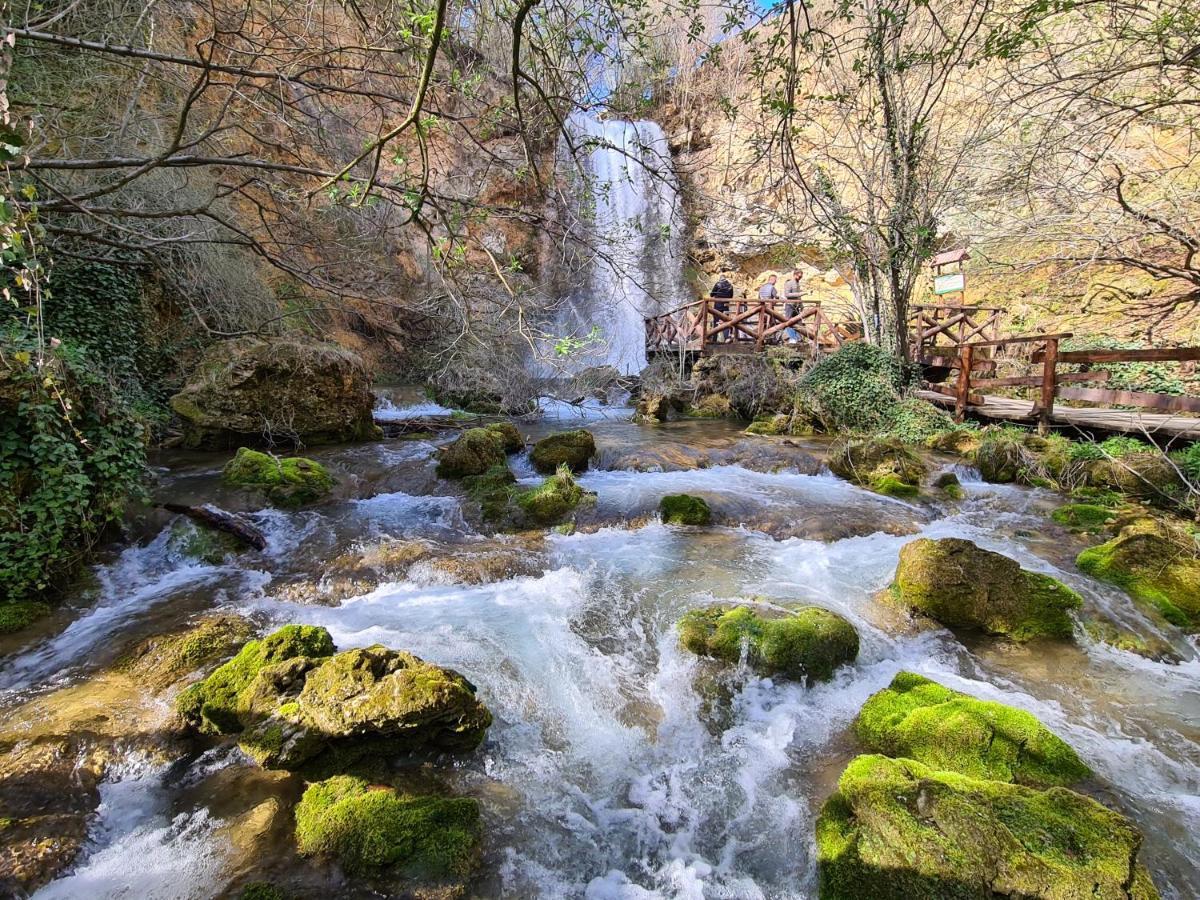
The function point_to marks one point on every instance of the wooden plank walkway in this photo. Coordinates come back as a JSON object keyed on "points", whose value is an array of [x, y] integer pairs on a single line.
{"points": [[1117, 421]]}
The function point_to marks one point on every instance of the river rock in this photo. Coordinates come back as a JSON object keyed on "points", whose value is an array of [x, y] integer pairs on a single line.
{"points": [[684, 509], [475, 451], [570, 448], [431, 842], [652, 408], [1147, 476], [1154, 563], [961, 585], [809, 643], [885, 465], [920, 719], [552, 501], [897, 829], [288, 481], [249, 390]]}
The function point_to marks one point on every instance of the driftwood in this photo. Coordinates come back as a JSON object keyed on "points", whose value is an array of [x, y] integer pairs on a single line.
{"points": [[221, 521]]}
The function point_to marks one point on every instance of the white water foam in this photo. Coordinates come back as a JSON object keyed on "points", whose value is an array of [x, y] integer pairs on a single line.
{"points": [[386, 411]]}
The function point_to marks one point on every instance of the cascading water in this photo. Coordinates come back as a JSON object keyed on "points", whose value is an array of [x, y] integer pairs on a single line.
{"points": [[625, 213]]}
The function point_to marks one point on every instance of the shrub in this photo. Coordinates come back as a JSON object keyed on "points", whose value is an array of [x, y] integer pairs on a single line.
{"points": [[857, 388]]}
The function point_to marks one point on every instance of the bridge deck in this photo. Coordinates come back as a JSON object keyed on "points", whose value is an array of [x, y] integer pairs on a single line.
{"points": [[1117, 421]]}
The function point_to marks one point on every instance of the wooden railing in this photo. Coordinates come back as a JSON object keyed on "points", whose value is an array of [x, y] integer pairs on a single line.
{"points": [[936, 329], [1042, 351], [713, 324]]}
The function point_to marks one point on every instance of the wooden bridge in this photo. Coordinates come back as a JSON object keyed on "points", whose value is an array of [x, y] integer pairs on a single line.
{"points": [[962, 357]]}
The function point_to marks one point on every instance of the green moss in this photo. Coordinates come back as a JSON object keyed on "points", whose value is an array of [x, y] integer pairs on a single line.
{"points": [[368, 829], [509, 436], [893, 486], [21, 614], [1082, 516], [207, 545], [922, 720], [553, 499], [211, 705], [771, 425], [811, 643], [684, 509], [897, 829], [1154, 565], [712, 406], [964, 586], [886, 465], [948, 484], [492, 490], [1117, 636], [261, 890], [286, 481], [570, 448], [474, 452]]}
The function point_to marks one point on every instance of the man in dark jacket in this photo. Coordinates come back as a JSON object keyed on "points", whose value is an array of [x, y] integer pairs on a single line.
{"points": [[722, 291]]}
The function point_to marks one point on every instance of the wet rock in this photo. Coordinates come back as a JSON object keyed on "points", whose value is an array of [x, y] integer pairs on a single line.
{"points": [[207, 545], [429, 841], [952, 732], [897, 829], [711, 406], [948, 484], [1155, 564], [652, 408], [163, 660], [1002, 457], [1082, 516], [1146, 476], [661, 457], [570, 448], [248, 390], [776, 424], [767, 456], [285, 481], [809, 643], [885, 465], [551, 501], [961, 585], [684, 509], [481, 564], [474, 452], [1115, 635], [510, 437]]}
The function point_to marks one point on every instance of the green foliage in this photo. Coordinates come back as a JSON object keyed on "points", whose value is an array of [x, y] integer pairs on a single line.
{"points": [[1189, 462], [286, 481], [72, 451], [922, 720], [369, 827], [21, 614], [857, 388], [262, 890], [1152, 377], [550, 501], [1114, 447], [492, 490], [684, 509]]}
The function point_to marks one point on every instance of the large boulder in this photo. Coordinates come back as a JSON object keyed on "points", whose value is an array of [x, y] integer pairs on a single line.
{"points": [[885, 465], [922, 720], [253, 390], [1154, 563], [474, 452], [551, 501], [1149, 476], [570, 448], [961, 585], [897, 829], [809, 643], [285, 481]]}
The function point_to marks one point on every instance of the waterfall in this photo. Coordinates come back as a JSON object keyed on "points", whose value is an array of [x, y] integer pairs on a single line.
{"points": [[623, 199]]}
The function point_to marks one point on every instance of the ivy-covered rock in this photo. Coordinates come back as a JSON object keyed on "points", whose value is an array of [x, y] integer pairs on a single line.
{"points": [[370, 828], [961, 585], [953, 732], [285, 481], [570, 448], [684, 509], [251, 388], [897, 829], [474, 452], [809, 643], [551, 501], [1155, 564], [885, 465]]}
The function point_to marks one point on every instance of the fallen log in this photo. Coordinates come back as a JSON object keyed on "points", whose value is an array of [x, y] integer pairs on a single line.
{"points": [[221, 521]]}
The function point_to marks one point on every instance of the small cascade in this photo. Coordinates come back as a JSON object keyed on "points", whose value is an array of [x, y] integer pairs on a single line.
{"points": [[626, 214]]}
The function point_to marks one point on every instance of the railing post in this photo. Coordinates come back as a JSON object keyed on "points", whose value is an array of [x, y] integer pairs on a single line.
{"points": [[703, 323], [963, 388], [1049, 385]]}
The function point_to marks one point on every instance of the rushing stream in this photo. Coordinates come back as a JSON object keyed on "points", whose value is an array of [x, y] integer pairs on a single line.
{"points": [[612, 769]]}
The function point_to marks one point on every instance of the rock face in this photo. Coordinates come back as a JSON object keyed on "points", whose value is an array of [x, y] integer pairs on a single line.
{"points": [[247, 390], [922, 720], [810, 643], [684, 509], [368, 828], [961, 585], [1154, 564], [293, 700], [570, 448], [285, 481], [884, 465], [477, 450], [897, 829]]}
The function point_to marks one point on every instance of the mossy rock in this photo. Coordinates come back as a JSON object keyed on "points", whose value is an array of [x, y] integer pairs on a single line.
{"points": [[948, 484], [961, 585], [809, 643], [285, 481], [684, 509], [920, 719], [509, 436], [1145, 476], [207, 545], [771, 425], [164, 659], [897, 829], [474, 452], [211, 705], [570, 448], [1117, 636], [492, 491], [369, 828], [711, 406], [20, 614], [885, 465], [654, 408], [1082, 516], [1155, 564], [1002, 457], [551, 501], [962, 441]]}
